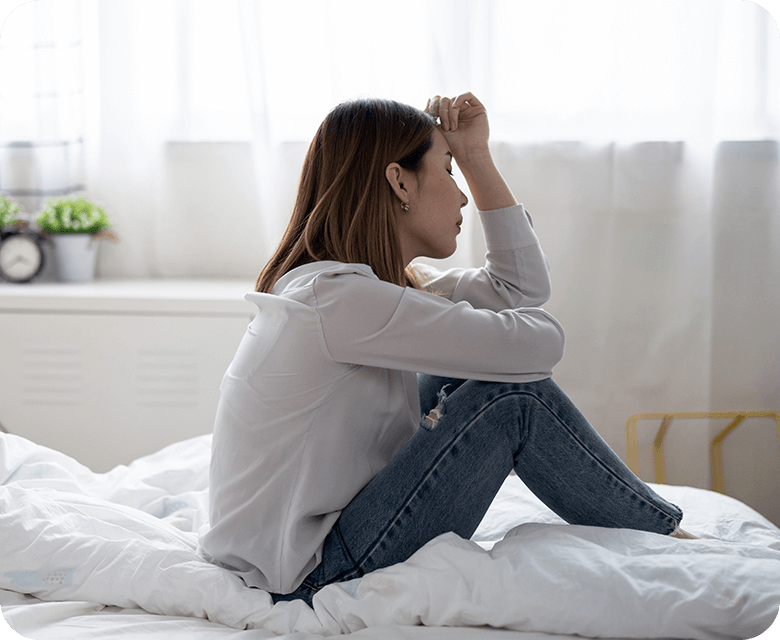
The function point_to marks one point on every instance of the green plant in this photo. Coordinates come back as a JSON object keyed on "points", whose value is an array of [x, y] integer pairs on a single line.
{"points": [[9, 212], [72, 215]]}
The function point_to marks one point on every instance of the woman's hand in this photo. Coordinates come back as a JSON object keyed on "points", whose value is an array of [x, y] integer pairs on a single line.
{"points": [[463, 121]]}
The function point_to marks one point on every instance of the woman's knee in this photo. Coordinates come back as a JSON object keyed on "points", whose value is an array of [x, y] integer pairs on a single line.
{"points": [[506, 407], [518, 390]]}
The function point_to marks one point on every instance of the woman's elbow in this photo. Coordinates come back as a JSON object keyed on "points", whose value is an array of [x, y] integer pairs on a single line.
{"points": [[560, 347], [552, 344], [537, 292], [540, 341], [554, 348]]}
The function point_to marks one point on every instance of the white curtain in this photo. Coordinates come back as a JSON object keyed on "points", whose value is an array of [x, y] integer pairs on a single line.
{"points": [[611, 121], [641, 134], [42, 104]]}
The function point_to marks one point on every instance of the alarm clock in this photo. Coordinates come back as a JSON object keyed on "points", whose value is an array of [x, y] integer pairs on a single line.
{"points": [[21, 255]]}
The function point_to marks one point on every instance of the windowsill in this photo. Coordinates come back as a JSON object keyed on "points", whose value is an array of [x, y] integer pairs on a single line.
{"points": [[180, 295]]}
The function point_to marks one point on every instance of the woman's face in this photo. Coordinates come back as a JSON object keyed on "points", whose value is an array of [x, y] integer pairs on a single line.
{"points": [[431, 225]]}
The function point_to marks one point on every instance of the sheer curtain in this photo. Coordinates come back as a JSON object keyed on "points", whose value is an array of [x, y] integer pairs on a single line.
{"points": [[42, 104], [641, 134]]}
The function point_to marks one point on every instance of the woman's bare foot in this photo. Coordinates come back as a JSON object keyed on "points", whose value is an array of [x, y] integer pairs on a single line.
{"points": [[683, 535]]}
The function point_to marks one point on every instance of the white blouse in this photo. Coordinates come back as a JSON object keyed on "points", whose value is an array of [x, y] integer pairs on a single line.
{"points": [[323, 392]]}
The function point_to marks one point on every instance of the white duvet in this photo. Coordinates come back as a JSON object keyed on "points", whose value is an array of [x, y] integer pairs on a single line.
{"points": [[129, 539]]}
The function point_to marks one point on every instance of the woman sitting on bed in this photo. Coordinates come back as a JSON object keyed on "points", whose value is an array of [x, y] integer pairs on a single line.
{"points": [[374, 404]]}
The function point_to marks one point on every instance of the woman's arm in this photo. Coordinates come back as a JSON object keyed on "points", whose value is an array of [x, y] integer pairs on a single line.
{"points": [[366, 321], [516, 272]]}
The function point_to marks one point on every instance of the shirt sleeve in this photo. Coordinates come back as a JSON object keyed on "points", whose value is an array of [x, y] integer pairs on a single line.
{"points": [[366, 321], [516, 271]]}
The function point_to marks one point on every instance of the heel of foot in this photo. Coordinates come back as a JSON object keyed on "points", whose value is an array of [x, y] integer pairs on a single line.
{"points": [[682, 534]]}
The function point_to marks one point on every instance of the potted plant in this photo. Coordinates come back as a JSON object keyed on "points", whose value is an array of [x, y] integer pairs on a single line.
{"points": [[21, 249], [74, 224], [9, 212]]}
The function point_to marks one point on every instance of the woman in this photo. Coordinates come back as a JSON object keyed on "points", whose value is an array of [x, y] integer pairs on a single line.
{"points": [[373, 405]]}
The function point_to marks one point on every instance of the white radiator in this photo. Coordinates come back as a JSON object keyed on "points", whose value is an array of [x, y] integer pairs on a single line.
{"points": [[110, 371]]}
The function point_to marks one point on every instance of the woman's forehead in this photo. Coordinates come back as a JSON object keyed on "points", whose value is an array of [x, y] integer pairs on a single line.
{"points": [[440, 145]]}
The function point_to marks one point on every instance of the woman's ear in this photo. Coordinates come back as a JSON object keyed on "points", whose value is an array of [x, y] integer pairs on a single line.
{"points": [[399, 179]]}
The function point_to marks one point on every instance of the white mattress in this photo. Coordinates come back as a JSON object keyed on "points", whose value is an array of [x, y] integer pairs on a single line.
{"points": [[115, 555]]}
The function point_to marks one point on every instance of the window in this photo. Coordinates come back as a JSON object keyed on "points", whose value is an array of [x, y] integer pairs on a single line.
{"points": [[552, 69]]}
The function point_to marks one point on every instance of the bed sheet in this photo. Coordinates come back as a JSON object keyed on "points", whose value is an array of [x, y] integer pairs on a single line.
{"points": [[116, 555], [83, 621]]}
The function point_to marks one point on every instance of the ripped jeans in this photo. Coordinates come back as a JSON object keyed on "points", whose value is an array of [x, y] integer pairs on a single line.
{"points": [[445, 477]]}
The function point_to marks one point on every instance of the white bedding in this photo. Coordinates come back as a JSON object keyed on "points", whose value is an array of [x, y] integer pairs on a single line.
{"points": [[85, 555]]}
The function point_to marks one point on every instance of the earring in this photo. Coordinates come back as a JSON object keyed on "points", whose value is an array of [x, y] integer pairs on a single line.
{"points": [[405, 206]]}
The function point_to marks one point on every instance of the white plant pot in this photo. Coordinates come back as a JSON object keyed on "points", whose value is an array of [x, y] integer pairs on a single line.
{"points": [[75, 255]]}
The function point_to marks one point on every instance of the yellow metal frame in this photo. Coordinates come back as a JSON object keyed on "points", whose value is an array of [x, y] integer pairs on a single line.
{"points": [[716, 447]]}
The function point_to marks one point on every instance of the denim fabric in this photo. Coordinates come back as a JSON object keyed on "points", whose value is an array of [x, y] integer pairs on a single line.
{"points": [[445, 477]]}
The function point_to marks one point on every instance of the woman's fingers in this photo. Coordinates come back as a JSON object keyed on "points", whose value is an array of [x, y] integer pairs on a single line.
{"points": [[469, 98], [468, 106], [445, 110], [464, 122], [451, 112], [433, 106], [444, 113], [454, 116]]}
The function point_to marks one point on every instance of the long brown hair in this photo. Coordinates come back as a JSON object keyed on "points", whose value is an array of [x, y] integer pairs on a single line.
{"points": [[345, 208]]}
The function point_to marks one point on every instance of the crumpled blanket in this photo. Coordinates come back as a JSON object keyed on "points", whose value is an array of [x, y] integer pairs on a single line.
{"points": [[129, 538]]}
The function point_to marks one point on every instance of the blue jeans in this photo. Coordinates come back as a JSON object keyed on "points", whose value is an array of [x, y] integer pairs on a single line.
{"points": [[445, 477]]}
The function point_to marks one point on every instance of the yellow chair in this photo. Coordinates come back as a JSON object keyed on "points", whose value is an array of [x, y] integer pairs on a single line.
{"points": [[716, 453]]}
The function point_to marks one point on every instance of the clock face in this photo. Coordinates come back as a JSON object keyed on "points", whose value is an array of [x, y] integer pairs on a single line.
{"points": [[20, 258]]}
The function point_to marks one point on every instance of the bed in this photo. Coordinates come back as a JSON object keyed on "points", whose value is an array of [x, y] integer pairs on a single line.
{"points": [[115, 555]]}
